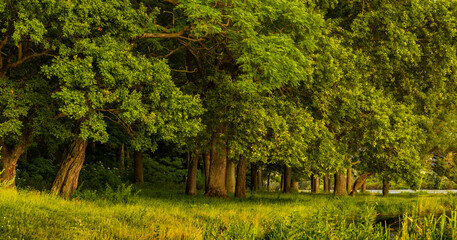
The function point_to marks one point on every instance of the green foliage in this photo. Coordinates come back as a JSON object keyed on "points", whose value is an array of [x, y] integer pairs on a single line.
{"points": [[122, 194], [36, 173], [95, 176]]}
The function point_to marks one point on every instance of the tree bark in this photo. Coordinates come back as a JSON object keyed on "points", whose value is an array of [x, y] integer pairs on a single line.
{"points": [[206, 164], [359, 182], [287, 178], [191, 187], [216, 183], [254, 175], [230, 176], [138, 162], [66, 180], [259, 178], [295, 186], [315, 183], [268, 181], [340, 184], [326, 183], [385, 187], [349, 180], [364, 187], [9, 160], [240, 188]]}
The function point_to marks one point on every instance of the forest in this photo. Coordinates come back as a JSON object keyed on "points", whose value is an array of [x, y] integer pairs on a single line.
{"points": [[233, 100]]}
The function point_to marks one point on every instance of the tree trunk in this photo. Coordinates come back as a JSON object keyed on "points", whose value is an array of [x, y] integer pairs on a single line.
{"points": [[191, 188], [254, 175], [206, 164], [340, 184], [138, 162], [66, 180], [216, 183], [295, 186], [287, 179], [349, 180], [315, 183], [359, 182], [385, 187], [326, 183], [121, 158], [268, 181], [230, 176], [240, 188], [259, 178], [364, 187], [282, 183], [9, 160]]}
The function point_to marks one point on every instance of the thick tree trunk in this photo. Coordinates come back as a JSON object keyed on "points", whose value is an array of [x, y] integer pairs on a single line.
{"points": [[340, 184], [66, 180], [364, 187], [254, 175], [206, 164], [326, 183], [240, 188], [315, 183], [385, 187], [268, 181], [295, 186], [191, 187], [359, 182], [287, 178], [259, 178], [216, 183], [121, 158], [349, 180], [9, 160], [138, 163], [230, 176]]}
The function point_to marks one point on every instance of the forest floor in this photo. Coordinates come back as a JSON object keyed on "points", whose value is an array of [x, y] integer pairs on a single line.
{"points": [[169, 214]]}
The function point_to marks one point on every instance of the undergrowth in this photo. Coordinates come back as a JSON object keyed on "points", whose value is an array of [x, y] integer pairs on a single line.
{"points": [[126, 213]]}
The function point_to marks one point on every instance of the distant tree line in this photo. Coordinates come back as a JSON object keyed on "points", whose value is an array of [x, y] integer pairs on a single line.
{"points": [[303, 87]]}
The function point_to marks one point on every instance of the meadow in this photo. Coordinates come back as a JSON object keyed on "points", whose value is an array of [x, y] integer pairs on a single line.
{"points": [[126, 213]]}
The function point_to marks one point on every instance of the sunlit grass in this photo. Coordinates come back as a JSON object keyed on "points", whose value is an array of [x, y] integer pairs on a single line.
{"points": [[160, 214]]}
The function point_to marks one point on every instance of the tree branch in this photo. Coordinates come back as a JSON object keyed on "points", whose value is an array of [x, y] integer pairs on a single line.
{"points": [[174, 2], [165, 35], [21, 61]]}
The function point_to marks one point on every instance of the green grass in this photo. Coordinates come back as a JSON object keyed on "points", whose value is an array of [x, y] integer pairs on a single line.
{"points": [[169, 214]]}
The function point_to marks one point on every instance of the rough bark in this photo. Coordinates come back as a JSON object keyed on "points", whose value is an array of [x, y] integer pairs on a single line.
{"points": [[315, 183], [349, 180], [287, 179], [240, 187], [385, 187], [230, 176], [9, 159], [216, 183], [191, 187], [326, 183], [66, 180], [206, 164], [254, 181], [138, 171], [340, 184], [359, 182]]}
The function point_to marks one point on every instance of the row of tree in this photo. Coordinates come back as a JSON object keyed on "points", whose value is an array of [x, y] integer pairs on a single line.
{"points": [[315, 86]]}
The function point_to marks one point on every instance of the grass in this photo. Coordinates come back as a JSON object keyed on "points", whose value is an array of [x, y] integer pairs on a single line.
{"points": [[169, 214]]}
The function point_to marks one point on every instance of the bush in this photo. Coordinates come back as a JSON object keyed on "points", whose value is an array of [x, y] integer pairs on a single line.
{"points": [[122, 194], [95, 176], [37, 173]]}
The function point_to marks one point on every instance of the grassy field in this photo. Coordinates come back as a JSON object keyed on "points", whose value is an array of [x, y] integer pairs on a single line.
{"points": [[160, 214]]}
